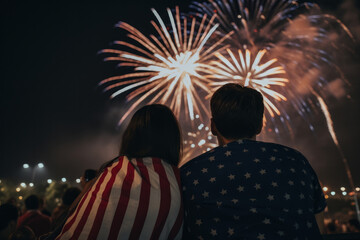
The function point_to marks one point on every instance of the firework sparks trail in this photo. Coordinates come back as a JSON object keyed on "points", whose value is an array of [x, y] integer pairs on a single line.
{"points": [[197, 140], [251, 72], [169, 69]]}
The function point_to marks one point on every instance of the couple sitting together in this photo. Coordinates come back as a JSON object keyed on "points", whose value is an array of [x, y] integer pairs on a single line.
{"points": [[242, 189]]}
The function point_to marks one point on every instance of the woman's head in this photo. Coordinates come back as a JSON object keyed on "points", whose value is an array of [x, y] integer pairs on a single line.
{"points": [[153, 132]]}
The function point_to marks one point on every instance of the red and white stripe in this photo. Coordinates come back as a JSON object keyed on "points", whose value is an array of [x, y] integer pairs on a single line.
{"points": [[137, 200]]}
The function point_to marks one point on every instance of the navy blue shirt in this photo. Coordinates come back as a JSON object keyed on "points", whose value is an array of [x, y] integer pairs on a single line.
{"points": [[251, 190]]}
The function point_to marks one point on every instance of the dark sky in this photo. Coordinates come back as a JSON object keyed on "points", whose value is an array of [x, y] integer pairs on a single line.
{"points": [[53, 111]]}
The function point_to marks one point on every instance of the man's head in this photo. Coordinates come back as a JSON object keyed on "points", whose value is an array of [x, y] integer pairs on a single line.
{"points": [[32, 202], [237, 112]]}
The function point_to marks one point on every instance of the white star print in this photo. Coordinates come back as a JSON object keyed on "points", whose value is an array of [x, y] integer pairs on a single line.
{"points": [[236, 217], [296, 225], [240, 188], [212, 158], [286, 210], [308, 224], [278, 171], [263, 149], [231, 177], [272, 158], [223, 192], [302, 183], [245, 150], [257, 186], [261, 236], [240, 141], [292, 170], [257, 160], [216, 219], [266, 221], [198, 222], [196, 182], [228, 153], [204, 170], [300, 211], [205, 194], [253, 210], [274, 184], [247, 175], [200, 238], [301, 196], [235, 201], [252, 199], [220, 166], [213, 179], [262, 171], [231, 231], [218, 203], [271, 198], [281, 233], [188, 173], [238, 163], [287, 196], [213, 232], [291, 183], [304, 171]]}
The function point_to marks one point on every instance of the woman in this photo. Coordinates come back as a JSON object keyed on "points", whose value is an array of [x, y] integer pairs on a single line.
{"points": [[138, 195]]}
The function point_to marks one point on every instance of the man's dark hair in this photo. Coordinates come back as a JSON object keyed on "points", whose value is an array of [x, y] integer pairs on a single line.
{"points": [[32, 202], [153, 132], [8, 213], [70, 195], [237, 111]]}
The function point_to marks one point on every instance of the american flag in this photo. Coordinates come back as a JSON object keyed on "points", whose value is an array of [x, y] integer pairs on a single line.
{"points": [[138, 198]]}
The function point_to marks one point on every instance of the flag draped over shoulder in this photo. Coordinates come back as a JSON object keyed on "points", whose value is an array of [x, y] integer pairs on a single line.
{"points": [[138, 198]]}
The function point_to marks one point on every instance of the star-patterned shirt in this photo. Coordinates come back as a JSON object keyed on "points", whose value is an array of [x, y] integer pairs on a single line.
{"points": [[251, 190]]}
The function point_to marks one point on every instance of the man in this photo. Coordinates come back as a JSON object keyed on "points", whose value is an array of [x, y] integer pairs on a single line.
{"points": [[246, 189], [33, 218]]}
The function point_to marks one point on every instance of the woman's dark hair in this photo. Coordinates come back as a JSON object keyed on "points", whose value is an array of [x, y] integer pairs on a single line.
{"points": [[237, 111], [153, 132]]}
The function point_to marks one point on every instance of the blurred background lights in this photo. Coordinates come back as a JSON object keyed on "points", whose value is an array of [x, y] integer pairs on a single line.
{"points": [[63, 179], [332, 193], [325, 189], [78, 180], [31, 184], [342, 189], [344, 193], [26, 165], [18, 189], [40, 165], [23, 185], [49, 181], [357, 189]]}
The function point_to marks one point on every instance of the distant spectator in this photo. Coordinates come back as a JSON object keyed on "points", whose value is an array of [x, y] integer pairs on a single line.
{"points": [[23, 233], [33, 218], [8, 219], [89, 174], [60, 212], [353, 225], [42, 207]]}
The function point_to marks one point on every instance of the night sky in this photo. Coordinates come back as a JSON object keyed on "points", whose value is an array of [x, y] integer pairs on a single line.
{"points": [[53, 111]]}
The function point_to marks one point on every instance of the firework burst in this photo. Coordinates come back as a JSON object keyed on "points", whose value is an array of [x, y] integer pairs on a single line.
{"points": [[251, 72], [169, 69]]}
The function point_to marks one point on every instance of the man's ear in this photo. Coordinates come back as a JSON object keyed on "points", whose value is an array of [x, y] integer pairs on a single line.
{"points": [[214, 131]]}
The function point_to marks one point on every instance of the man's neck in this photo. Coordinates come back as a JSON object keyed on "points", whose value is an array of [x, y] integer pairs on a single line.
{"points": [[223, 141]]}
